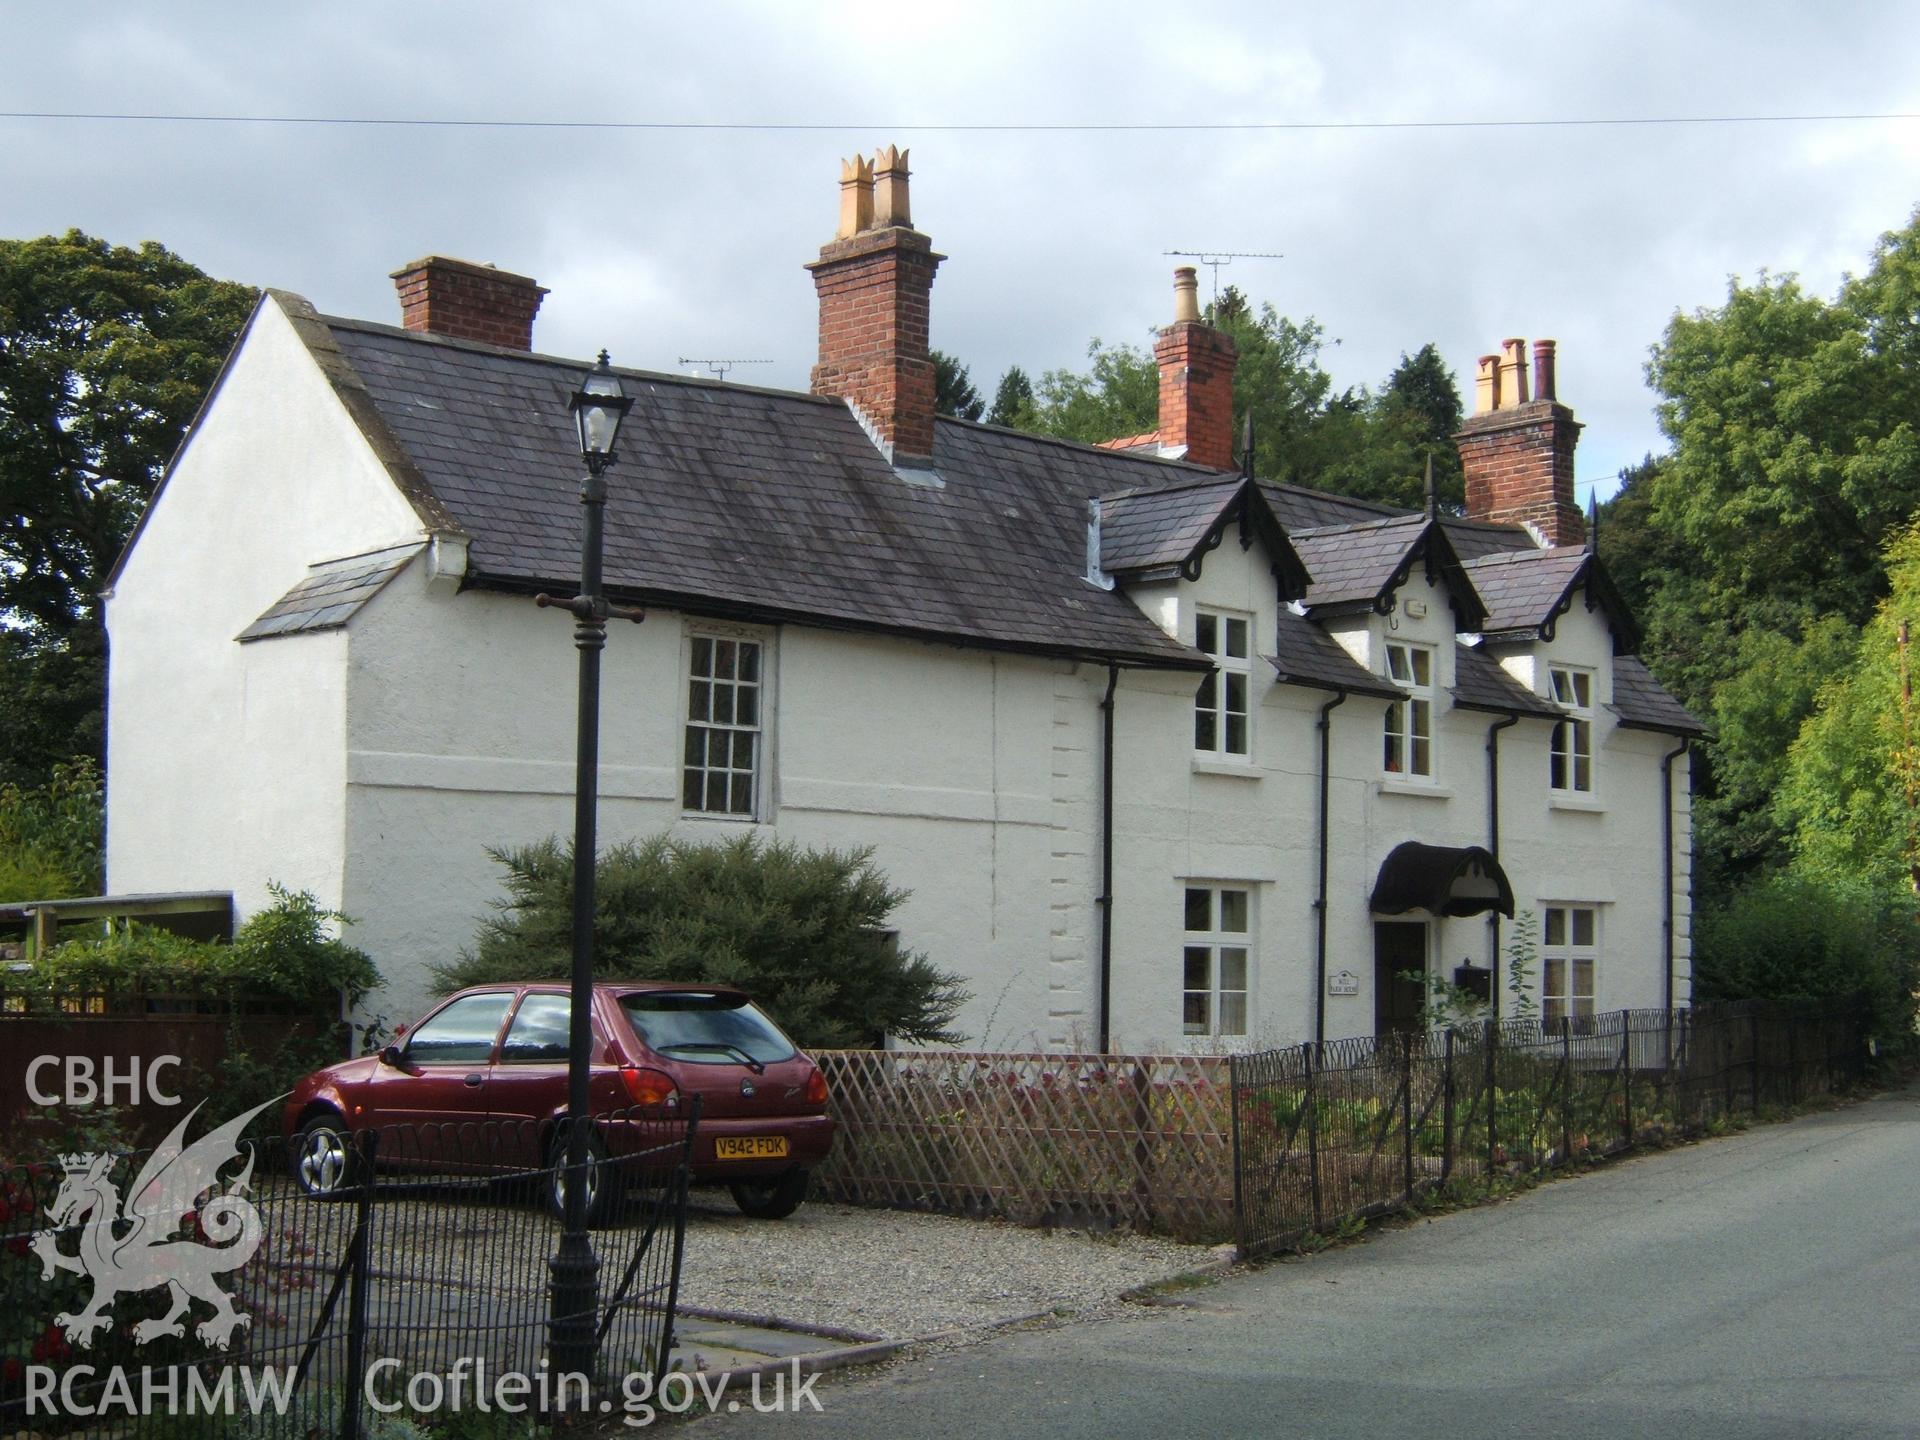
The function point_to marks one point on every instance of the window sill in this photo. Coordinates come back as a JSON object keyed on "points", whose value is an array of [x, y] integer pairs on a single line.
{"points": [[1233, 769], [1568, 800], [1418, 789]]}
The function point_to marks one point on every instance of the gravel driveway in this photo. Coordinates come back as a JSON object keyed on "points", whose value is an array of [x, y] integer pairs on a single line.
{"points": [[897, 1275]]}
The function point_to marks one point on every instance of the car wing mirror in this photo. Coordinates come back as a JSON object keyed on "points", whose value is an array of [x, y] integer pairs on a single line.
{"points": [[391, 1056]]}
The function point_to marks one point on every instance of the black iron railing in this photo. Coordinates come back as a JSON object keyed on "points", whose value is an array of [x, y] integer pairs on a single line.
{"points": [[1324, 1135]]}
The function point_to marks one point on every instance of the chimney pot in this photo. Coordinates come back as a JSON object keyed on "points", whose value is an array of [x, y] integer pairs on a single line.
{"points": [[856, 197], [890, 189], [1186, 295], [1543, 377], [1513, 374], [442, 296], [1486, 386]]}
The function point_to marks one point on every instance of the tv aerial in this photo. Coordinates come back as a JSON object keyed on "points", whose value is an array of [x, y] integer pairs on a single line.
{"points": [[1216, 258], [718, 368]]}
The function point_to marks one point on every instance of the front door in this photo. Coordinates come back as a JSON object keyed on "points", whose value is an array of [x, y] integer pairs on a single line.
{"points": [[1399, 947]]}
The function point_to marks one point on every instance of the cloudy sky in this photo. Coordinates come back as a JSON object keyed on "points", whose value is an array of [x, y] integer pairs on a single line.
{"points": [[666, 241]]}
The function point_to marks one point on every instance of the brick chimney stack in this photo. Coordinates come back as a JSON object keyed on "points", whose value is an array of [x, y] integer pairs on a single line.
{"points": [[874, 279], [1518, 452], [1196, 380], [471, 302]]}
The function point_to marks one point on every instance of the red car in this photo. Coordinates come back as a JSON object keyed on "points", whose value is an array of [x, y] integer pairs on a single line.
{"points": [[498, 1053]]}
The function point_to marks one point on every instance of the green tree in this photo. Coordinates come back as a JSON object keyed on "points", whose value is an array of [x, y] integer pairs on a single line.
{"points": [[1793, 422], [105, 355], [804, 931], [50, 710], [1850, 792], [1118, 394], [953, 392], [52, 836], [1757, 713], [1013, 401], [1754, 552], [1796, 937]]}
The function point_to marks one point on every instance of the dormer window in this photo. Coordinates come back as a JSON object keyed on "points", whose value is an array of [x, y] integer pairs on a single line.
{"points": [[1570, 762], [1221, 724], [1408, 749]]}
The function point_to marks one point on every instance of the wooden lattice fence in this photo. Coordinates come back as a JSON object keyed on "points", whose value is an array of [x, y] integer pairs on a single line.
{"points": [[1137, 1141]]}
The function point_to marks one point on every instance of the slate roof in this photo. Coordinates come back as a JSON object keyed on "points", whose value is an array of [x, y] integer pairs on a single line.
{"points": [[1151, 529], [1479, 683], [332, 594], [1165, 532], [1641, 703], [762, 504], [1475, 538], [769, 505], [1353, 564], [1307, 655], [1302, 509], [1523, 590]]}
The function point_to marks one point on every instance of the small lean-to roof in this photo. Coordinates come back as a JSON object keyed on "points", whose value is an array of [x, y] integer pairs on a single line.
{"points": [[1479, 683], [332, 593], [760, 504], [1165, 531], [1305, 654], [1640, 702]]}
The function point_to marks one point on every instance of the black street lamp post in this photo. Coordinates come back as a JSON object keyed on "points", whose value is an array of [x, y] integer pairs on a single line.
{"points": [[574, 1275]]}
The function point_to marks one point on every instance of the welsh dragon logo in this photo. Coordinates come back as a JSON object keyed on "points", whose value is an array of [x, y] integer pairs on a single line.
{"points": [[132, 1246]]}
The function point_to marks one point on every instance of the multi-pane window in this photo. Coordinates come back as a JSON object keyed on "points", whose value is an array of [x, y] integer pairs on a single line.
{"points": [[724, 688], [1571, 765], [1213, 996], [1220, 724], [1569, 949], [1409, 729]]}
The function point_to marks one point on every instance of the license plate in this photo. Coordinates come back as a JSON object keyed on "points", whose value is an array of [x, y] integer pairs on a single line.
{"points": [[750, 1147]]}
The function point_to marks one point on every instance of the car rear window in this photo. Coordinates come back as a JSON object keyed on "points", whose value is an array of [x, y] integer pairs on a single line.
{"points": [[705, 1028]]}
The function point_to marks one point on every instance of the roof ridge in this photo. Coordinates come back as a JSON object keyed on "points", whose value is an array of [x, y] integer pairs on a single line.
{"points": [[1311, 492], [542, 357], [1191, 482], [1086, 447], [1515, 557], [1380, 524]]}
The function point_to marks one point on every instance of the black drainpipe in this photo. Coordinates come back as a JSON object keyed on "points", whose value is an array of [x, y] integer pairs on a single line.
{"points": [[1666, 854], [1493, 845], [1320, 904], [1106, 861]]}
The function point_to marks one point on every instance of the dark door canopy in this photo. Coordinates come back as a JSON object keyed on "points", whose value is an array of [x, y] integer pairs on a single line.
{"points": [[1441, 880]]}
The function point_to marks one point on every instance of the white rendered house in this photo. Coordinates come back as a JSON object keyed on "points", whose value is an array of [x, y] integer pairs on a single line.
{"points": [[1167, 755]]}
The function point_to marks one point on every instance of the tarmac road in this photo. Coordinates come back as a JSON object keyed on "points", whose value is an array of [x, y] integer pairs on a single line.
{"points": [[1767, 1284]]}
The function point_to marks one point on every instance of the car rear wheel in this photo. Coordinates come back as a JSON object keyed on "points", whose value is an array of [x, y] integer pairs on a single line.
{"points": [[772, 1199], [600, 1178], [325, 1163]]}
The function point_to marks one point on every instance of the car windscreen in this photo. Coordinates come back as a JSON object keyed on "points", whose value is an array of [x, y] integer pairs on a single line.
{"points": [[705, 1028]]}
